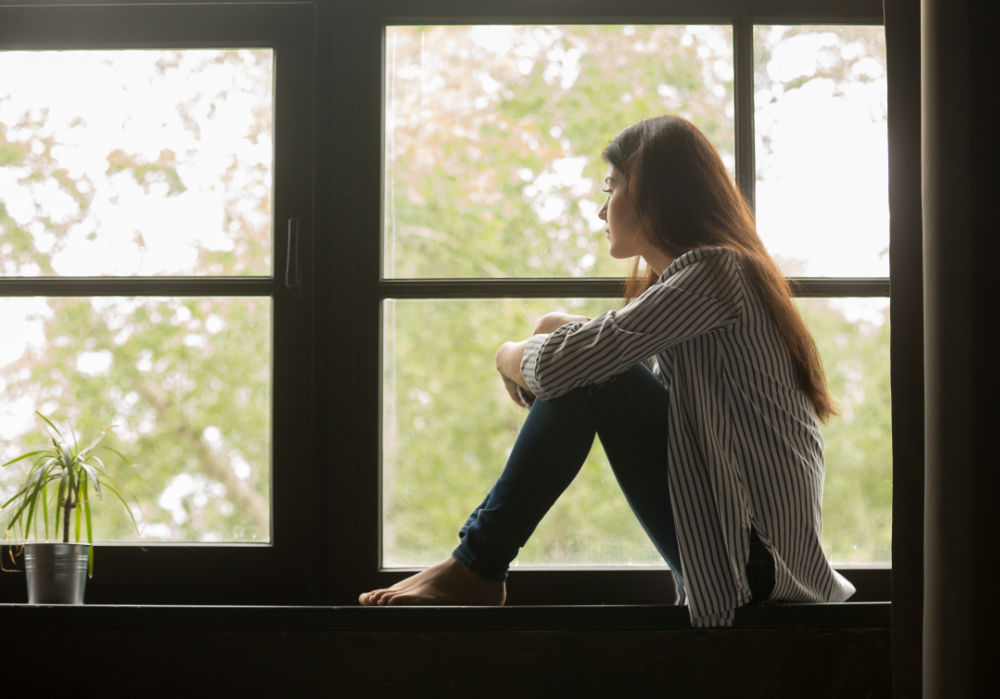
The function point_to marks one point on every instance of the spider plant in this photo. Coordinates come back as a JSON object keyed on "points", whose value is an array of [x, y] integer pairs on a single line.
{"points": [[60, 482]]}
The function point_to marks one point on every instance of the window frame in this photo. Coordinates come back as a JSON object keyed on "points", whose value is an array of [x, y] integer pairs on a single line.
{"points": [[279, 570], [541, 585], [326, 505]]}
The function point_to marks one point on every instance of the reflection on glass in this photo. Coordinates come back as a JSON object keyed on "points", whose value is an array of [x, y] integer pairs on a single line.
{"points": [[822, 194], [448, 425], [494, 133], [190, 401], [136, 163]]}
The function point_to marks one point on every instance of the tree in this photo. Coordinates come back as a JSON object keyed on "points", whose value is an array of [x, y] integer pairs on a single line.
{"points": [[494, 136], [492, 169], [185, 379]]}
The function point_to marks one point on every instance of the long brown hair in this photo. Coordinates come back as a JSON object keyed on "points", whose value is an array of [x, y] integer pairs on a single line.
{"points": [[685, 199]]}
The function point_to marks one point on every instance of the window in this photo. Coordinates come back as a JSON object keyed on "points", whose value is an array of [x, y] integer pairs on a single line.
{"points": [[322, 282], [822, 209], [145, 164], [152, 198], [490, 189]]}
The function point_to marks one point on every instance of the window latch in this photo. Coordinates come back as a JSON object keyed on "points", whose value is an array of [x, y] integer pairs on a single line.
{"points": [[293, 273]]}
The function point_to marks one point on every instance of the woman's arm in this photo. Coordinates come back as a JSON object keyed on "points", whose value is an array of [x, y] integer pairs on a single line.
{"points": [[553, 321], [702, 294], [510, 355]]}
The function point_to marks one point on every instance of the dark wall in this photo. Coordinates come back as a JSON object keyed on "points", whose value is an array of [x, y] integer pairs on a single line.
{"points": [[769, 664]]}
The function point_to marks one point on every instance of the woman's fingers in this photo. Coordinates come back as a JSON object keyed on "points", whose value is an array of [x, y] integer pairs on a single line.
{"points": [[512, 391]]}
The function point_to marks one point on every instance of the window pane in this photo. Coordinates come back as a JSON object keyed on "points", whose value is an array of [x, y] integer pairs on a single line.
{"points": [[853, 338], [190, 402], [136, 162], [448, 426], [822, 192], [493, 137]]}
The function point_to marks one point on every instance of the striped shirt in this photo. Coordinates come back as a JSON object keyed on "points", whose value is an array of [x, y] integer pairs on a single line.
{"points": [[745, 448]]}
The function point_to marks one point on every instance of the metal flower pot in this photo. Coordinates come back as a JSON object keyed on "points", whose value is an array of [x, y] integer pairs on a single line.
{"points": [[57, 573]]}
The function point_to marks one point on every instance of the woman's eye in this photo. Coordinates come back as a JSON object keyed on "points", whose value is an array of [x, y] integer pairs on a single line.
{"points": [[606, 191]]}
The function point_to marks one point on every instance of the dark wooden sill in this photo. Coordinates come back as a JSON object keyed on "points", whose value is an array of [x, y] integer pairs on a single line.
{"points": [[362, 619], [780, 651]]}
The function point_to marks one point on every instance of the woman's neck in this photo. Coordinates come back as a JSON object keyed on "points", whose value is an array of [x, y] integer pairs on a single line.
{"points": [[657, 260]]}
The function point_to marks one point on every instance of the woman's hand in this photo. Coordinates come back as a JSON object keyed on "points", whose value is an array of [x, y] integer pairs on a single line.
{"points": [[553, 321], [509, 358], [512, 391], [510, 354]]}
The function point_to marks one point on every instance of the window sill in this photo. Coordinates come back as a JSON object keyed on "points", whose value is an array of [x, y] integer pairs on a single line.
{"points": [[396, 619]]}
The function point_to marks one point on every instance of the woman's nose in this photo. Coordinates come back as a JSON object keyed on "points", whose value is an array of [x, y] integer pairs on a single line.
{"points": [[603, 213]]}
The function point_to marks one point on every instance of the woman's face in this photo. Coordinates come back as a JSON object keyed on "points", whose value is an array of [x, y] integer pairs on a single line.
{"points": [[623, 231]]}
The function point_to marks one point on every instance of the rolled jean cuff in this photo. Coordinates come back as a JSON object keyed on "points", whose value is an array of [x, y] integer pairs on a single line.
{"points": [[467, 559]]}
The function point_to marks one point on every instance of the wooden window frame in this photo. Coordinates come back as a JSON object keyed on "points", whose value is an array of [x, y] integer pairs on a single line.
{"points": [[280, 570], [326, 506]]}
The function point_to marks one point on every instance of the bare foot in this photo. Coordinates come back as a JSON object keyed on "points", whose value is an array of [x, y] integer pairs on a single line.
{"points": [[447, 583]]}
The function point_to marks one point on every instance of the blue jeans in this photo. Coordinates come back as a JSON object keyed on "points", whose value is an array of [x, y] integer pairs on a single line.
{"points": [[629, 415]]}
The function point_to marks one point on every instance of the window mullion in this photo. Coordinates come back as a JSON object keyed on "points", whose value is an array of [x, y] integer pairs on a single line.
{"points": [[137, 286], [832, 287], [502, 288], [599, 288], [743, 105]]}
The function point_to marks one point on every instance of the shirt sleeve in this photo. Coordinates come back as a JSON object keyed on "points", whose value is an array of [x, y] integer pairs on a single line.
{"points": [[699, 296]]}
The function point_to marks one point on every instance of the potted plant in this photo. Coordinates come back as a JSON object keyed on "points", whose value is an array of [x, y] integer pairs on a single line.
{"points": [[59, 484]]}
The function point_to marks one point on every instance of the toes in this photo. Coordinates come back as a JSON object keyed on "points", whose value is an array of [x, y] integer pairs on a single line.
{"points": [[390, 597], [402, 600], [372, 598]]}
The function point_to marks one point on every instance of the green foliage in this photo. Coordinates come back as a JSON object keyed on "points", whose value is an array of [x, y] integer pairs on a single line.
{"points": [[466, 176], [473, 188], [61, 477], [10, 154], [183, 388], [858, 441], [163, 169], [187, 380], [448, 427]]}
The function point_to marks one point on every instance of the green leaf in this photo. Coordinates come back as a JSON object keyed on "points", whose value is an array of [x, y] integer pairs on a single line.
{"points": [[28, 455], [63, 482], [97, 441], [45, 508], [92, 472], [36, 487], [90, 534], [118, 454], [14, 497], [67, 458], [49, 423], [110, 485]]}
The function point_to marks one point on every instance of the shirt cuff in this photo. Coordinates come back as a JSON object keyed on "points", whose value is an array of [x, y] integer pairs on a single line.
{"points": [[526, 398], [529, 363]]}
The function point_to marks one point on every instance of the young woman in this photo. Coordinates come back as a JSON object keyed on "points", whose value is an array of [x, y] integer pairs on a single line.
{"points": [[706, 391]]}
